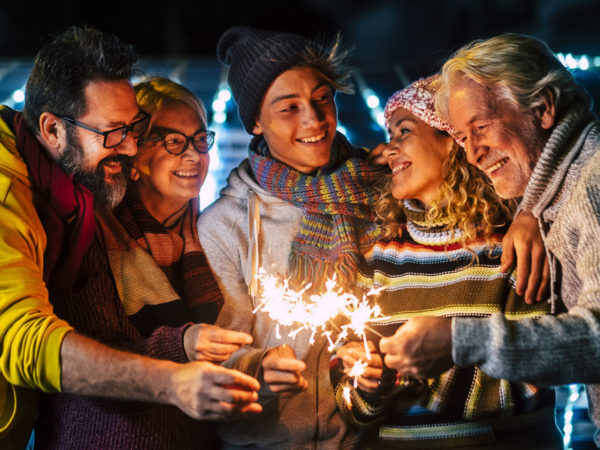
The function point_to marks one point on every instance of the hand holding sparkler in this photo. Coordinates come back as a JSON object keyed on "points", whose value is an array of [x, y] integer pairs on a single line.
{"points": [[282, 371], [367, 372], [421, 348], [206, 342]]}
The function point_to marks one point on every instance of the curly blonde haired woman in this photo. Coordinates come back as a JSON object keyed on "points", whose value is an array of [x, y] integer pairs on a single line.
{"points": [[439, 255]]}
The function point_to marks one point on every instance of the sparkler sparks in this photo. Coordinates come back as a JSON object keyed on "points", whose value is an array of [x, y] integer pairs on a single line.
{"points": [[288, 308]]}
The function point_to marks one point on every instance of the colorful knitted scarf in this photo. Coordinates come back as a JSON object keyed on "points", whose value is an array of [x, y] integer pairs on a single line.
{"points": [[160, 270], [65, 209], [338, 224]]}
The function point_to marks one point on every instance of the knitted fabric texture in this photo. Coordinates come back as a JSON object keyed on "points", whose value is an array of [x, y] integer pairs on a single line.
{"points": [[338, 224], [418, 98], [255, 58], [436, 276], [68, 421], [64, 207], [161, 272]]}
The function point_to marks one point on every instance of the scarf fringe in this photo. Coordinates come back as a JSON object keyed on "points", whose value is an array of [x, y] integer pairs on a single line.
{"points": [[305, 270]]}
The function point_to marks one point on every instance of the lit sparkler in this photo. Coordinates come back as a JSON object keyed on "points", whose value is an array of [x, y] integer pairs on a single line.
{"points": [[288, 308]]}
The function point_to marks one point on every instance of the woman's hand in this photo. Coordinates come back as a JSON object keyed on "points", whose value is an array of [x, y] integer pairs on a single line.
{"points": [[376, 157], [205, 342], [282, 372], [352, 352], [523, 241]]}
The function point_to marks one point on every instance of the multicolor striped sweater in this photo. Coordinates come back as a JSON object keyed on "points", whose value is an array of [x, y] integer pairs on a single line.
{"points": [[427, 271]]}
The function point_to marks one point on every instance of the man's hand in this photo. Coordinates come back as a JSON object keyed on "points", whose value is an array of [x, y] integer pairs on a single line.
{"points": [[421, 348], [352, 352], [376, 157], [282, 371], [205, 342], [205, 391], [523, 241]]}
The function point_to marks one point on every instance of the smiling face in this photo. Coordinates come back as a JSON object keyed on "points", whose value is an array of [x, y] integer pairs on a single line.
{"points": [[108, 105], [500, 140], [167, 182], [416, 154], [298, 119]]}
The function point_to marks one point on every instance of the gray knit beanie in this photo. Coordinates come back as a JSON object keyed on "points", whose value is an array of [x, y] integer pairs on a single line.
{"points": [[255, 58]]}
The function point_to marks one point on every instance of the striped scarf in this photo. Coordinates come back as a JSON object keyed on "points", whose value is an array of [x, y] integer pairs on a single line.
{"points": [[160, 270], [338, 224]]}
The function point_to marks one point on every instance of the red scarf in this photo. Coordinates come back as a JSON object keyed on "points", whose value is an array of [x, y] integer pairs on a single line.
{"points": [[65, 209]]}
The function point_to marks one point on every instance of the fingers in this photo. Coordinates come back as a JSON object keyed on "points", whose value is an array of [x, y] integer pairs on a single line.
{"points": [[538, 261], [376, 157], [523, 267], [226, 377], [282, 371], [542, 291], [507, 259], [218, 335], [369, 385]]}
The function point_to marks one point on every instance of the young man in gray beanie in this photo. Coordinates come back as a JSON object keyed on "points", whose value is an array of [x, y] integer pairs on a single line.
{"points": [[281, 211]]}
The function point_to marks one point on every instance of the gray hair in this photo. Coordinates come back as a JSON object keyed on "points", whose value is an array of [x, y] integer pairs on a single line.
{"points": [[517, 68]]}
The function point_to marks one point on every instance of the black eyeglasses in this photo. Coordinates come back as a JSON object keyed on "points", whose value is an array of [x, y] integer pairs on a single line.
{"points": [[176, 143], [113, 138]]}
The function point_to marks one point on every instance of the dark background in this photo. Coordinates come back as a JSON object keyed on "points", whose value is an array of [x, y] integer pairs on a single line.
{"points": [[394, 41]]}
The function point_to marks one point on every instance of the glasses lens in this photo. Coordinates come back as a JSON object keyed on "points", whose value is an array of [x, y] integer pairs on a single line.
{"points": [[138, 128], [115, 137], [174, 143], [203, 140]]}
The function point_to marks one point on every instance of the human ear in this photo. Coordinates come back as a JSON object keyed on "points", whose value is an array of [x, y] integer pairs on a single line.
{"points": [[257, 129], [134, 174], [546, 111], [52, 133]]}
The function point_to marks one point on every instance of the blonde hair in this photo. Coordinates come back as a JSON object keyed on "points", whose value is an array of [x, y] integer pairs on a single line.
{"points": [[465, 200], [155, 93], [517, 68]]}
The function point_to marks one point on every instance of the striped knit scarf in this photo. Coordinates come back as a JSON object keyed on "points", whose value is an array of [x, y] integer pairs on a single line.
{"points": [[161, 272], [338, 224]]}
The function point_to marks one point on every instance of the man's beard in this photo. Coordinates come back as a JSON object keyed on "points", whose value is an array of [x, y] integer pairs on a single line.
{"points": [[106, 195]]}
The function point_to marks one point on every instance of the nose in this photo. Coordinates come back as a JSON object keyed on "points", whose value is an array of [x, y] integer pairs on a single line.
{"points": [[312, 114], [191, 154], [391, 150], [476, 151], [128, 146]]}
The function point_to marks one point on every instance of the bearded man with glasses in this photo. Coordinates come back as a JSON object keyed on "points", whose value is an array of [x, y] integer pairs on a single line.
{"points": [[67, 153]]}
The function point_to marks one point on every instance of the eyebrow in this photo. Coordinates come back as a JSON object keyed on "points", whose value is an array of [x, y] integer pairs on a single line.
{"points": [[167, 130], [295, 95], [121, 124], [404, 119]]}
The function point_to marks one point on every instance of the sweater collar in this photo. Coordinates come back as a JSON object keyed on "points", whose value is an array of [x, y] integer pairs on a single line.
{"points": [[425, 231], [562, 148]]}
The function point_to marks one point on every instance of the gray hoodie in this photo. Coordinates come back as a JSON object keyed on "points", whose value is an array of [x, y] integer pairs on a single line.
{"points": [[248, 228]]}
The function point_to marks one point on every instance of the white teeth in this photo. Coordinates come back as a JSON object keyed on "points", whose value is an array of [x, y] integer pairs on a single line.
{"points": [[312, 139], [401, 166], [497, 165], [112, 163], [193, 173]]}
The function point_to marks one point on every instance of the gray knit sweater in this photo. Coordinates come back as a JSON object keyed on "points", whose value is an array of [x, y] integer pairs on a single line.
{"points": [[245, 228], [564, 194]]}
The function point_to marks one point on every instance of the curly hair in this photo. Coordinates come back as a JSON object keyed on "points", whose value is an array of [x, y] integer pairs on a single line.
{"points": [[465, 200]]}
